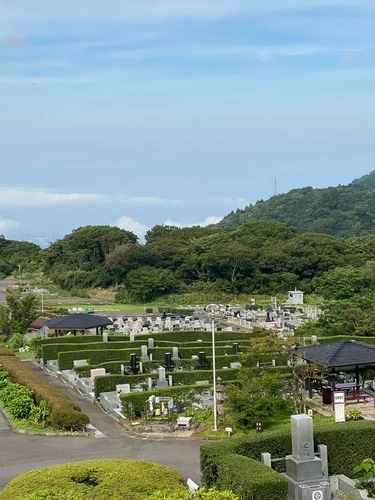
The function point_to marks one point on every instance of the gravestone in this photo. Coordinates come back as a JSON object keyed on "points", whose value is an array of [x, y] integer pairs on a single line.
{"points": [[144, 355], [131, 337], [123, 388], [162, 382], [151, 343], [105, 337], [149, 383], [168, 365], [96, 372], [79, 362], [304, 470], [236, 348], [203, 363], [170, 381], [133, 364], [175, 353]]}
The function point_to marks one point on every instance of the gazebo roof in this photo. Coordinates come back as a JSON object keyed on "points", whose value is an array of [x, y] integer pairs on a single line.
{"points": [[342, 353], [78, 321]]}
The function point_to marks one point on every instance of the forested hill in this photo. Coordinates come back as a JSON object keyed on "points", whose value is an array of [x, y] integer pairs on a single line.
{"points": [[343, 211], [366, 180]]}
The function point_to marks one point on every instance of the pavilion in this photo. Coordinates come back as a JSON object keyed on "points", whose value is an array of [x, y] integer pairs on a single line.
{"points": [[341, 354], [79, 322]]}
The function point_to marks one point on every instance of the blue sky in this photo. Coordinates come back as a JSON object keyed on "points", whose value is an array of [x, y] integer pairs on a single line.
{"points": [[147, 112]]}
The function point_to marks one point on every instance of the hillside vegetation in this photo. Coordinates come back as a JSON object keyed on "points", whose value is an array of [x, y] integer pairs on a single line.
{"points": [[343, 211], [257, 258]]}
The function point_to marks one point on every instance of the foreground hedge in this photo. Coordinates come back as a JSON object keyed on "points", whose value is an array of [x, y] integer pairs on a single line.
{"points": [[356, 438], [4, 351], [64, 413], [99, 479]]}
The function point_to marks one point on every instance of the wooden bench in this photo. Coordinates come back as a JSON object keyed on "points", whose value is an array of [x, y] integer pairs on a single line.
{"points": [[357, 398]]}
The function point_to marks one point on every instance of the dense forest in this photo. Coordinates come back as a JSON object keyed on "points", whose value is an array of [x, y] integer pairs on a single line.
{"points": [[342, 211], [257, 258]]}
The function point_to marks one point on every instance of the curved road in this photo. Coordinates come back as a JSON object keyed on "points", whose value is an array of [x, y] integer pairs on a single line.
{"points": [[23, 452]]}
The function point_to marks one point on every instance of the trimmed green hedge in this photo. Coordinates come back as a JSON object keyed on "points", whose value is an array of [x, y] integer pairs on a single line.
{"points": [[356, 438], [103, 355], [135, 402], [108, 383], [99, 479], [325, 340], [51, 351], [4, 351], [252, 481], [64, 413]]}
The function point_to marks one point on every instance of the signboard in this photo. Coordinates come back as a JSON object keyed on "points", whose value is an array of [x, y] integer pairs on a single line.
{"points": [[339, 406]]}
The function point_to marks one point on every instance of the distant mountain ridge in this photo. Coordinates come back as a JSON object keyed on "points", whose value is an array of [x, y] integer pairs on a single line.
{"points": [[342, 211]]}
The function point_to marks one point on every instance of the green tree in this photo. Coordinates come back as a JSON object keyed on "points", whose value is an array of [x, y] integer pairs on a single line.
{"points": [[148, 283], [22, 309]]}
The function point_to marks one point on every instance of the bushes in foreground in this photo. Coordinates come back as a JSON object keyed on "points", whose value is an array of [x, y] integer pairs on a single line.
{"points": [[65, 414], [99, 479], [235, 465]]}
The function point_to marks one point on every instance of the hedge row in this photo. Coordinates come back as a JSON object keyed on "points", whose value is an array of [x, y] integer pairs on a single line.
{"points": [[358, 437], [64, 413], [65, 359], [252, 481], [134, 403], [324, 340], [108, 383], [51, 351], [175, 336], [182, 365], [4, 351]]}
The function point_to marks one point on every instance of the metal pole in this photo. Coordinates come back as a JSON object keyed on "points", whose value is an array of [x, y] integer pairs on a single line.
{"points": [[42, 304], [214, 370]]}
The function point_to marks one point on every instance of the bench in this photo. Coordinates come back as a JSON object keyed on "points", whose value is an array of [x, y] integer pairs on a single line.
{"points": [[184, 421], [357, 398]]}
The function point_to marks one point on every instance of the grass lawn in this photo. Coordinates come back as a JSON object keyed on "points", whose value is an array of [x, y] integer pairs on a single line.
{"points": [[25, 355], [279, 421]]}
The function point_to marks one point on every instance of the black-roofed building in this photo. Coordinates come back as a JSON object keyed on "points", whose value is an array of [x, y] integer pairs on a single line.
{"points": [[79, 322], [342, 354]]}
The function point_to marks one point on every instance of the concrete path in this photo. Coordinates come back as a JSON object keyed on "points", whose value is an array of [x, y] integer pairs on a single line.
{"points": [[23, 452]]}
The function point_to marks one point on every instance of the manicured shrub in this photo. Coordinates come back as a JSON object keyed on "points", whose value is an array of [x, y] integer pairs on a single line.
{"points": [[99, 479], [4, 351], [64, 413], [357, 438], [108, 383]]}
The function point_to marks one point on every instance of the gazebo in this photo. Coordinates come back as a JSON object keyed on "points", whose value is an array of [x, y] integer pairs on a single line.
{"points": [[79, 322], [341, 354]]}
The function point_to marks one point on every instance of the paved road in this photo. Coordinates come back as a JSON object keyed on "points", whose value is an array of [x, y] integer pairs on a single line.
{"points": [[23, 452]]}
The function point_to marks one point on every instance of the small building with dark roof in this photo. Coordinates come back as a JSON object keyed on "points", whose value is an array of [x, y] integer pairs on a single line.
{"points": [[79, 322]]}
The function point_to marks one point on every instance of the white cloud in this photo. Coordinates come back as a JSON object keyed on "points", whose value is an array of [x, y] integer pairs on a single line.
{"points": [[130, 224], [7, 225], [211, 219], [17, 198]]}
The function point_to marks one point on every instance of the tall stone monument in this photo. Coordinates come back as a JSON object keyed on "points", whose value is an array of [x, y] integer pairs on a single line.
{"points": [[305, 472]]}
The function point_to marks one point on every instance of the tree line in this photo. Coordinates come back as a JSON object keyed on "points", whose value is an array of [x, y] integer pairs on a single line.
{"points": [[264, 257]]}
